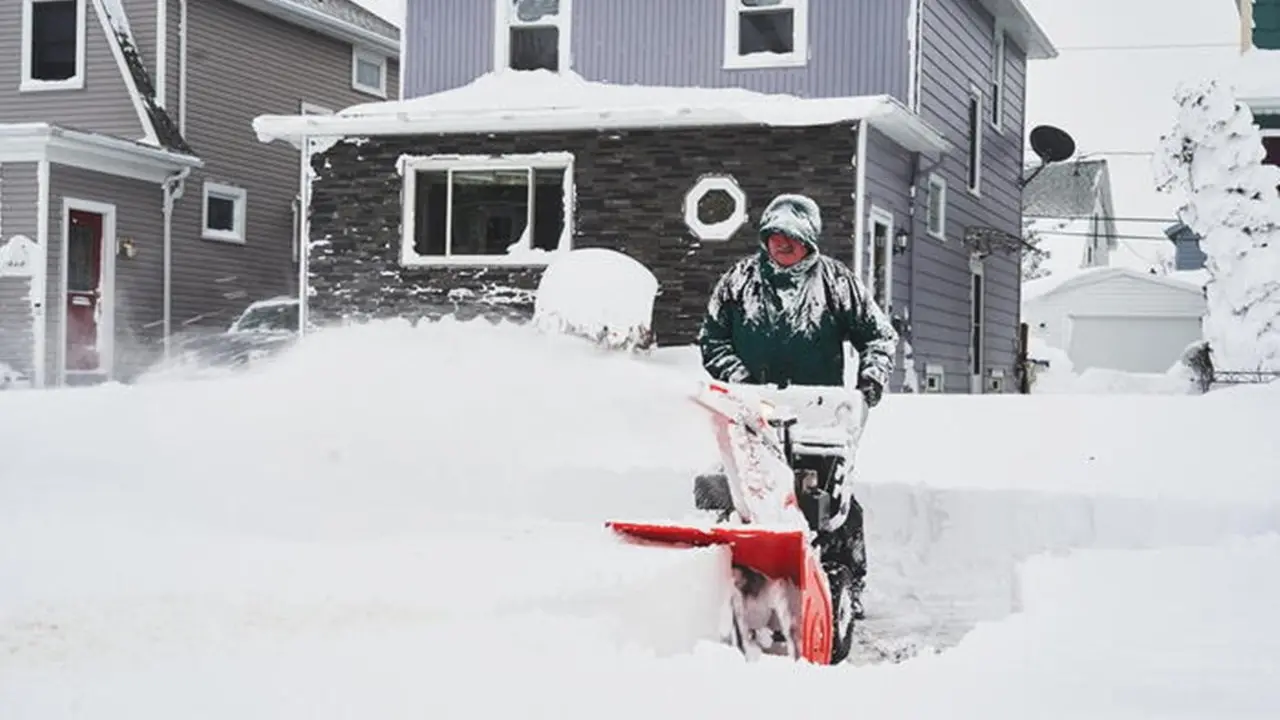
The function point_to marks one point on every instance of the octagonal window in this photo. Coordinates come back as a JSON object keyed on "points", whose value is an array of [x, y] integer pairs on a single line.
{"points": [[715, 208]]}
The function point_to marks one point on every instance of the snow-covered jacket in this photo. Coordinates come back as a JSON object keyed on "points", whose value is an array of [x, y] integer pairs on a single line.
{"points": [[769, 324]]}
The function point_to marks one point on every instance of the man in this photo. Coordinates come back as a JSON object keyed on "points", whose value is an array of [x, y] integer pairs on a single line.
{"points": [[781, 316]]}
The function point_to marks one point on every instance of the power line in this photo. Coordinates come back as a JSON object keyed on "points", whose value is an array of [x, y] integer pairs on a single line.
{"points": [[1161, 238], [1130, 48], [1114, 218]]}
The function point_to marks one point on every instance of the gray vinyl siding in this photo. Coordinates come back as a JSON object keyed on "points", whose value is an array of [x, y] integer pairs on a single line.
{"points": [[243, 64], [889, 175], [139, 281], [957, 47], [856, 48], [18, 192], [103, 105]]}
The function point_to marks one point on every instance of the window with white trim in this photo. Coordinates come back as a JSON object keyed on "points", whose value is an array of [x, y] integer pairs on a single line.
{"points": [[224, 212], [486, 210], [936, 207], [766, 33], [53, 39], [974, 166], [880, 261], [368, 72], [532, 35], [998, 60]]}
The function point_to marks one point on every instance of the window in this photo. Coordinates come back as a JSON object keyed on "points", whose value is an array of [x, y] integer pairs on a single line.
{"points": [[975, 141], [1271, 144], [224, 212], [936, 220], [766, 33], [53, 36], [715, 208], [368, 72], [532, 35], [481, 209], [880, 265], [997, 77]]}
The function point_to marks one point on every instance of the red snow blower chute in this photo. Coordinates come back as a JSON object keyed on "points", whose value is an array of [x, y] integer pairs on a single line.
{"points": [[767, 500]]}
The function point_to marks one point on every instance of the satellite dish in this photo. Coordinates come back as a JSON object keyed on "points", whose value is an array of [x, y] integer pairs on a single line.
{"points": [[1052, 145]]}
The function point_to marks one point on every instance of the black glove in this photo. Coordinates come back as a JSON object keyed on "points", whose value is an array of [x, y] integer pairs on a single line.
{"points": [[871, 390]]}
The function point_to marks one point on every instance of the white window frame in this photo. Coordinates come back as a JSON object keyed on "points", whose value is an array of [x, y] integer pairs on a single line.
{"points": [[410, 165], [799, 55], [977, 320], [725, 229], [999, 60], [884, 218], [504, 20], [937, 184], [358, 54], [973, 158], [239, 196], [75, 82]]}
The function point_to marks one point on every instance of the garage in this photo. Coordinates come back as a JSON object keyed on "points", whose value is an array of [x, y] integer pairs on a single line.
{"points": [[1115, 318], [1133, 344]]}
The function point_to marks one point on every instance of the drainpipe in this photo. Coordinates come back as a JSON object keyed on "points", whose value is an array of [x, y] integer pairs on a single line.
{"points": [[859, 196], [182, 68], [173, 186]]}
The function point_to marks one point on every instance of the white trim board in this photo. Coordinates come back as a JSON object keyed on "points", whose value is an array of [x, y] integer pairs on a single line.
{"points": [[122, 65], [35, 142], [107, 326]]}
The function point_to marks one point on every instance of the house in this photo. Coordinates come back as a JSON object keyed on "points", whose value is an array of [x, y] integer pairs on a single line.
{"points": [[1257, 77], [1116, 318], [1187, 253], [1069, 208], [661, 129], [135, 200]]}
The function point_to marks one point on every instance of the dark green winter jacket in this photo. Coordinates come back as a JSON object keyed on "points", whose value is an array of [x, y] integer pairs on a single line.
{"points": [[769, 324]]}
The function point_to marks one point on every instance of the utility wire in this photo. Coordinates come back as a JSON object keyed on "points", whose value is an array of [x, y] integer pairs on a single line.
{"points": [[1161, 238], [1114, 218]]}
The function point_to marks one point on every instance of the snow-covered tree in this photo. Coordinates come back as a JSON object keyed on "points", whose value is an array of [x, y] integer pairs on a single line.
{"points": [[1213, 159]]}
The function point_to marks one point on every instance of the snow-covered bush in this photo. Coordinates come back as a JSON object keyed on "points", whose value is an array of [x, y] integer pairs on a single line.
{"points": [[1213, 159], [601, 295]]}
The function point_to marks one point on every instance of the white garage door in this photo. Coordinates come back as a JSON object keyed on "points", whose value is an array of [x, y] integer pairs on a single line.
{"points": [[1133, 344]]}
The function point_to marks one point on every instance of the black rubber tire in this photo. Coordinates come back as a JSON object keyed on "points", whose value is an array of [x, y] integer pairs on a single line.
{"points": [[840, 580]]}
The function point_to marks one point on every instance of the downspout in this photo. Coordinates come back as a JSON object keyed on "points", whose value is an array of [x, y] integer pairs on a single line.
{"points": [[173, 186], [859, 196], [182, 68]]}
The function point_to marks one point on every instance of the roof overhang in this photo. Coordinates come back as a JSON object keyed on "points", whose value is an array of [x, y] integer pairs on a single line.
{"points": [[325, 24], [35, 142], [1256, 80], [1022, 27], [882, 112]]}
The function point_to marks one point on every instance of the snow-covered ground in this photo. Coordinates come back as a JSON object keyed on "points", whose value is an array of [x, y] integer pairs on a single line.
{"points": [[397, 522]]}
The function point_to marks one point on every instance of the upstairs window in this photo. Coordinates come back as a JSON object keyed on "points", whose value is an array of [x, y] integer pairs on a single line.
{"points": [[766, 33], [997, 77], [532, 35], [368, 72], [936, 209], [53, 35], [975, 141]]}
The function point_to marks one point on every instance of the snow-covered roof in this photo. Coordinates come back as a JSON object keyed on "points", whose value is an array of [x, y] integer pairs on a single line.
{"points": [[1067, 189], [1257, 79], [344, 20], [159, 127], [1059, 282], [530, 101]]}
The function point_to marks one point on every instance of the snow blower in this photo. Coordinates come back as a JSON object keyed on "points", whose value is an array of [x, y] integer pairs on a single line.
{"points": [[766, 505]]}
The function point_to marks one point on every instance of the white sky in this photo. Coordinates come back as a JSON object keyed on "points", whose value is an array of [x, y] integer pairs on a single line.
{"points": [[1109, 100]]}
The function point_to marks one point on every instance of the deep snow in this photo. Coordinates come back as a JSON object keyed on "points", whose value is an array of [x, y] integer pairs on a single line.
{"points": [[399, 522]]}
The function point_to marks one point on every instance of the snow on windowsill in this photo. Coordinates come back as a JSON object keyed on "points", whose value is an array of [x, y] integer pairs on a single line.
{"points": [[1257, 78]]}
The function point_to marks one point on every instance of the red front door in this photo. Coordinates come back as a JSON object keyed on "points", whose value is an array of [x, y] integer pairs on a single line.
{"points": [[84, 290]]}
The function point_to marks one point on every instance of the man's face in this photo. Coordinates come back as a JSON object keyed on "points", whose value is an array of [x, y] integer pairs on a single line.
{"points": [[785, 251]]}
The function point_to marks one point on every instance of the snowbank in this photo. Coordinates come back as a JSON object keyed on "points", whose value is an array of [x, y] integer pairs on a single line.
{"points": [[386, 516], [600, 294]]}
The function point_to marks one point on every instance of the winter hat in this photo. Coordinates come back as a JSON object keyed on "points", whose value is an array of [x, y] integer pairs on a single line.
{"points": [[794, 215]]}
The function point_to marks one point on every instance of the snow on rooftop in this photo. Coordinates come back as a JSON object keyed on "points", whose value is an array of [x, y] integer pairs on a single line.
{"points": [[1257, 78], [516, 101]]}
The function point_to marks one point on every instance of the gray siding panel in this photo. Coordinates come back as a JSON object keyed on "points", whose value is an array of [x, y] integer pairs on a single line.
{"points": [[957, 50], [890, 169], [18, 193], [856, 48], [103, 105], [139, 281], [240, 67]]}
